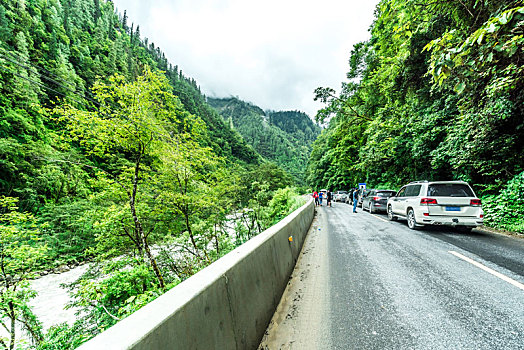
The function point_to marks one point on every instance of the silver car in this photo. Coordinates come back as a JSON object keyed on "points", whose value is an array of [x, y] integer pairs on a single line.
{"points": [[340, 196]]}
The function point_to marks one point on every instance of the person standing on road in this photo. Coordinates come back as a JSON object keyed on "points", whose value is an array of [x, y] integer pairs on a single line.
{"points": [[329, 196], [315, 196], [355, 200], [320, 195]]}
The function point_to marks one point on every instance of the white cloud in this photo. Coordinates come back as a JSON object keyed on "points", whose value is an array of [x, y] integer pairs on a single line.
{"points": [[273, 53]]}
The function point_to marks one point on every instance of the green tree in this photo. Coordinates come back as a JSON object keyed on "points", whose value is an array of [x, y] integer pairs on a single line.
{"points": [[26, 83], [139, 119], [436, 93], [186, 166], [20, 254]]}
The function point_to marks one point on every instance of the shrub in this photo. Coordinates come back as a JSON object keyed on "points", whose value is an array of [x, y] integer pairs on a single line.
{"points": [[64, 337], [284, 202], [506, 210]]}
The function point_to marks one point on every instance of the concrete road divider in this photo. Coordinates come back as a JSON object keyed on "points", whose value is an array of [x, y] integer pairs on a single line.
{"points": [[227, 305]]}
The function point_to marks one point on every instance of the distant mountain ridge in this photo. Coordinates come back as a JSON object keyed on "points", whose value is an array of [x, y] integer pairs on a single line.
{"points": [[283, 137]]}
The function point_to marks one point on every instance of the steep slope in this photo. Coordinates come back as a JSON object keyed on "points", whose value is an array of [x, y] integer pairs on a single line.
{"points": [[282, 137], [57, 50], [297, 124]]}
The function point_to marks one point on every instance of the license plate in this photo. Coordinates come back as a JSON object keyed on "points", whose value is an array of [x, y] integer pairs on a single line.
{"points": [[452, 208]]}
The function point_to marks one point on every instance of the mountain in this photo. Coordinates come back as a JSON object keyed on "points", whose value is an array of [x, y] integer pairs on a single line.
{"points": [[56, 51], [282, 137]]}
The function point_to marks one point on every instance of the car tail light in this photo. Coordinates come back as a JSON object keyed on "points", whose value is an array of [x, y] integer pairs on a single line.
{"points": [[426, 214], [482, 216], [376, 198], [428, 201], [475, 202]]}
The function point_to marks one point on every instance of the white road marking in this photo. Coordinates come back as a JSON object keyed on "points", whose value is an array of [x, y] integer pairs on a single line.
{"points": [[378, 217], [487, 269]]}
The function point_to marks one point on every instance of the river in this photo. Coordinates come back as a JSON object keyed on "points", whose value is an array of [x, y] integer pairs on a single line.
{"points": [[49, 304]]}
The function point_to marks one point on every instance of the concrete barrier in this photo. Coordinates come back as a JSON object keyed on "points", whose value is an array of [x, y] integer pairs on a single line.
{"points": [[227, 305]]}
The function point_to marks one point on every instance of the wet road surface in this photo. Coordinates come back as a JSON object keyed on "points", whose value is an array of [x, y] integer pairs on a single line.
{"points": [[363, 282]]}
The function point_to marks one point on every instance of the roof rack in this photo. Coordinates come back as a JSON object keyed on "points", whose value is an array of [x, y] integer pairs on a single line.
{"points": [[418, 181]]}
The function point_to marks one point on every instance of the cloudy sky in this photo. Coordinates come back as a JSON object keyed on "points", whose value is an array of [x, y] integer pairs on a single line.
{"points": [[273, 53]]}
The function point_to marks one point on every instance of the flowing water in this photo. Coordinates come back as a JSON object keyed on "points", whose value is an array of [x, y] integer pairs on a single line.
{"points": [[49, 304]]}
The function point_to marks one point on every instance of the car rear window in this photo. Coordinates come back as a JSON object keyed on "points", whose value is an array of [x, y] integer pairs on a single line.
{"points": [[385, 194], [450, 190]]}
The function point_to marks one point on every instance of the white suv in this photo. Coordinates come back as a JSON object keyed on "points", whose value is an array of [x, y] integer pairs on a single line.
{"points": [[437, 203]]}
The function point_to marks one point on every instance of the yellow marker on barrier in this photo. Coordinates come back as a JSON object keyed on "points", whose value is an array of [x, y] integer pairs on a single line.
{"points": [[290, 239]]}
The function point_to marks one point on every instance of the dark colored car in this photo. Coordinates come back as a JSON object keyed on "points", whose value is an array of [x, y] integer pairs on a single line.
{"points": [[362, 193], [349, 197], [376, 200]]}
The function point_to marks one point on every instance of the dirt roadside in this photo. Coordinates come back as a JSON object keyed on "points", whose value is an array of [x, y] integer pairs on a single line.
{"points": [[299, 321], [500, 232]]}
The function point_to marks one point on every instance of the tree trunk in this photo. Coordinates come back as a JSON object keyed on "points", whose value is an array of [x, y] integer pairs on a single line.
{"points": [[13, 328], [190, 232], [139, 231], [216, 239], [143, 246], [154, 265], [188, 228], [257, 221]]}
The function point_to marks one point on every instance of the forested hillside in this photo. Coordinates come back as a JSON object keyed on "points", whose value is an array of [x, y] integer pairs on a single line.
{"points": [[108, 151], [57, 50], [437, 93], [282, 137]]}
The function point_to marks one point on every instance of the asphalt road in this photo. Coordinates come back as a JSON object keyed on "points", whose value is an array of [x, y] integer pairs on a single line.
{"points": [[363, 282]]}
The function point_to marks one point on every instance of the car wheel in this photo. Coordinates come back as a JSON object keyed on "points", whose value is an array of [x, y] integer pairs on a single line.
{"points": [[412, 222], [371, 208], [391, 217]]}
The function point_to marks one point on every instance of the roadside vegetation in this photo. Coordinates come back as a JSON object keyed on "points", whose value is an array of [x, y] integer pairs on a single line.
{"points": [[436, 94], [110, 155], [506, 210]]}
